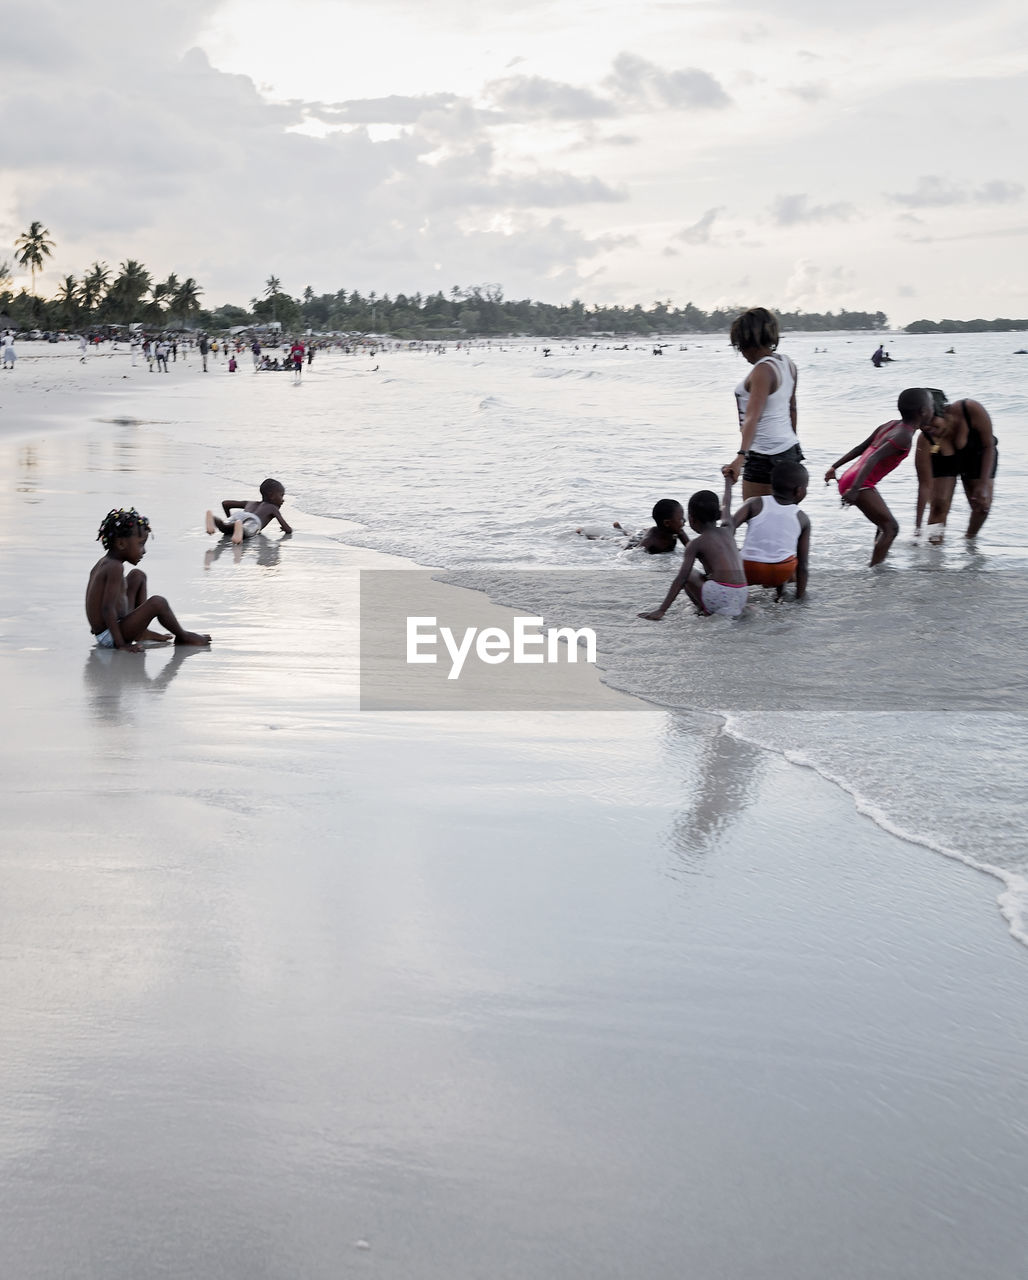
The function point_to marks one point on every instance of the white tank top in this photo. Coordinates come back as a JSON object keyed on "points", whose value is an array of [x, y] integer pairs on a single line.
{"points": [[772, 534], [774, 430]]}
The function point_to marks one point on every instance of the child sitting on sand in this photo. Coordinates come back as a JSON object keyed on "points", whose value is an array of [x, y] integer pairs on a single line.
{"points": [[117, 607], [668, 530], [879, 454], [722, 590], [777, 544], [251, 517]]}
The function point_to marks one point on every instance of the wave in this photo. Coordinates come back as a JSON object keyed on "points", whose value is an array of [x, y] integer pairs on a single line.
{"points": [[1012, 902]]}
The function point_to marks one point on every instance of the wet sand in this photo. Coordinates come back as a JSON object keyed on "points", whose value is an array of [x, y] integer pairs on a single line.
{"points": [[292, 989]]}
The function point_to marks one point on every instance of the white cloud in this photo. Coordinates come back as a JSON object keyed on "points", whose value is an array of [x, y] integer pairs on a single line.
{"points": [[534, 97], [700, 231], [640, 83], [811, 91], [934, 192], [788, 211]]}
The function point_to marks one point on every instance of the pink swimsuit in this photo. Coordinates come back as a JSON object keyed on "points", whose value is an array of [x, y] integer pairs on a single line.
{"points": [[881, 470]]}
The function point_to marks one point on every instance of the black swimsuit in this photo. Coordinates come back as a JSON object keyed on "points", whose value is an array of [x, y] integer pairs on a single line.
{"points": [[965, 462]]}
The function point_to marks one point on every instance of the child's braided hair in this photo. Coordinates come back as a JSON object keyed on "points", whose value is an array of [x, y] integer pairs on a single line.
{"points": [[121, 524]]}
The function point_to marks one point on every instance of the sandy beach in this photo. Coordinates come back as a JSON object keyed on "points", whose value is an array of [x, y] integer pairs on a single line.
{"points": [[295, 989]]}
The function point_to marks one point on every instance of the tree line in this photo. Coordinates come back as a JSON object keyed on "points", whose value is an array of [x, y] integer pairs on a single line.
{"points": [[132, 295], [966, 326], [99, 297]]}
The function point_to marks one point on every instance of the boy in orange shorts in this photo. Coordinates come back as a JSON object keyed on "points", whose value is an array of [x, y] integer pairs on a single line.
{"points": [[777, 544]]}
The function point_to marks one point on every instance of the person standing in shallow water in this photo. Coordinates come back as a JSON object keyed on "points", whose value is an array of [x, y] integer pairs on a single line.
{"points": [[962, 444], [766, 400]]}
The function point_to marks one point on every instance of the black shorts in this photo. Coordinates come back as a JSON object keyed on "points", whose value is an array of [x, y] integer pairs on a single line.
{"points": [[962, 465], [759, 466]]}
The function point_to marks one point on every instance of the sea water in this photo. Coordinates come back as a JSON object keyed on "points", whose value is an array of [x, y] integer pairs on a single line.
{"points": [[906, 685]]}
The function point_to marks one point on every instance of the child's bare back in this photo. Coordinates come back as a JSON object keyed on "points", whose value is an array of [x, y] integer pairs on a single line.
{"points": [[244, 519], [722, 590]]}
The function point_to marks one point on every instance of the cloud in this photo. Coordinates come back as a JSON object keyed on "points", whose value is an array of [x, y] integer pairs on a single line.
{"points": [[543, 189], [998, 192], [533, 98], [811, 287], [812, 91], [639, 83], [791, 210], [192, 169], [395, 109], [933, 192], [700, 231], [634, 84]]}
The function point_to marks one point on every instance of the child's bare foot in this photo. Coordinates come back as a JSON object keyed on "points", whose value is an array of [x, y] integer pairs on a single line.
{"points": [[210, 522], [237, 533], [192, 637], [162, 636]]}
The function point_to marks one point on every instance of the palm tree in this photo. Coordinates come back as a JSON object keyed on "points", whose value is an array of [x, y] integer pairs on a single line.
{"points": [[158, 292], [132, 282], [271, 289], [94, 285], [186, 298], [35, 245], [68, 298]]}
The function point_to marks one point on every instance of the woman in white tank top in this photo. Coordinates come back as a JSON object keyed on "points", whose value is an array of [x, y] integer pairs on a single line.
{"points": [[767, 404]]}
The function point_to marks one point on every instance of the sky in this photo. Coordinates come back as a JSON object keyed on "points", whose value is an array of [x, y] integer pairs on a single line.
{"points": [[813, 155]]}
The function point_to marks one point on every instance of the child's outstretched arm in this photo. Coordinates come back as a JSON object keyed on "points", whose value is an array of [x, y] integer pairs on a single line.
{"points": [[750, 508], [855, 452], [726, 503], [680, 580], [286, 528]]}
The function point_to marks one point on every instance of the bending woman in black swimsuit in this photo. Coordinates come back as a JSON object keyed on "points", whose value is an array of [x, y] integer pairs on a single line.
{"points": [[958, 442]]}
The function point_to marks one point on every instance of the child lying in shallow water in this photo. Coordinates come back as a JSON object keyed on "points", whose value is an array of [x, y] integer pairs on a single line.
{"points": [[667, 532]]}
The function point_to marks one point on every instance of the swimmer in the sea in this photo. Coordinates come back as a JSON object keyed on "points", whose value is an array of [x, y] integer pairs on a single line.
{"points": [[667, 532]]}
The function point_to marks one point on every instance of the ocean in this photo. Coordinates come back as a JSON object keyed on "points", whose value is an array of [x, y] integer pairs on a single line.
{"points": [[904, 686]]}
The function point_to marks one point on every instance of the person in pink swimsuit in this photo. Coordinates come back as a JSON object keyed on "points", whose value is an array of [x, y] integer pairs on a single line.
{"points": [[876, 456]]}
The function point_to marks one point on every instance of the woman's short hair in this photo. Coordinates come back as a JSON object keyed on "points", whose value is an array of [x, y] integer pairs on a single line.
{"points": [[757, 327]]}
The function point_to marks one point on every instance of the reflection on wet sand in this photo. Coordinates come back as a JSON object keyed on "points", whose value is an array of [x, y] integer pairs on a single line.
{"points": [[116, 681], [265, 549], [728, 777]]}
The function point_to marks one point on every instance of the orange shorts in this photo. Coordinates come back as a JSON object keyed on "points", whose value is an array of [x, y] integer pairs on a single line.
{"points": [[759, 574]]}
